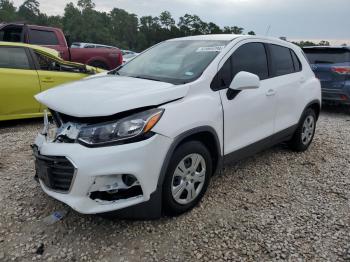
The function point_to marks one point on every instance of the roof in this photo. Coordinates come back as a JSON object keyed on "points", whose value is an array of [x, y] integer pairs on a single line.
{"points": [[50, 51], [213, 37], [231, 37], [30, 25]]}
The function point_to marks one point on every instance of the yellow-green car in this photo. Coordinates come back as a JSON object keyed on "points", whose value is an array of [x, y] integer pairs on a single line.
{"points": [[26, 70]]}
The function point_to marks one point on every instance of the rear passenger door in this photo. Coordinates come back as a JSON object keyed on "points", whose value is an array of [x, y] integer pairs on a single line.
{"points": [[287, 81], [249, 116], [18, 82]]}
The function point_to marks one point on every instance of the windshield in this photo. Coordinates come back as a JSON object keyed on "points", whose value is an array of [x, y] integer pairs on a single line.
{"points": [[327, 55], [175, 62]]}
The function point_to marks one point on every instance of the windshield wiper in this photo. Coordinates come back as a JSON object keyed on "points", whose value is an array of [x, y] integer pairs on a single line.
{"points": [[115, 71], [147, 78]]}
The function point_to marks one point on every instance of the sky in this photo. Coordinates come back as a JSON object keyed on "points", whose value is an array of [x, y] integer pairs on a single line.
{"points": [[295, 19]]}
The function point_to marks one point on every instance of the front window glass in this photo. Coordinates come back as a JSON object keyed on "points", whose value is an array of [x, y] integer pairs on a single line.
{"points": [[176, 62], [251, 58], [49, 64], [13, 58]]}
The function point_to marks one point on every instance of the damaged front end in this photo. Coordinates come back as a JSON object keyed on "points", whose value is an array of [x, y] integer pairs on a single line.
{"points": [[91, 158], [115, 187]]}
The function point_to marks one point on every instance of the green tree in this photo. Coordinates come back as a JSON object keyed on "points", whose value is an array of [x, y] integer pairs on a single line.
{"points": [[83, 23], [251, 33], [166, 20], [7, 11], [86, 4], [324, 43], [192, 25], [124, 28], [214, 28], [29, 10], [304, 43]]}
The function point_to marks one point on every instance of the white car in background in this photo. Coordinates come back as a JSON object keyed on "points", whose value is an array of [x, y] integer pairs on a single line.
{"points": [[147, 137], [89, 45], [128, 55]]}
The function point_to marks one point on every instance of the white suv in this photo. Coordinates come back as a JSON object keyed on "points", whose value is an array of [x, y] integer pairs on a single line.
{"points": [[148, 136]]}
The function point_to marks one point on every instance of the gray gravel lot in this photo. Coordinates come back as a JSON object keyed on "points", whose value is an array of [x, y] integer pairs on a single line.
{"points": [[277, 205]]}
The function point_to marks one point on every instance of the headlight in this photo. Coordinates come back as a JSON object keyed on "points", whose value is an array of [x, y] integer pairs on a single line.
{"points": [[126, 128]]}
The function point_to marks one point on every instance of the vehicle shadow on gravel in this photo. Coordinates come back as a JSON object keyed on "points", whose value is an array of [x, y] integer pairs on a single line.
{"points": [[19, 123], [336, 109]]}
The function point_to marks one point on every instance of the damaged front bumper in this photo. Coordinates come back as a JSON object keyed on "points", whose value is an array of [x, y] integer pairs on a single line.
{"points": [[100, 180]]}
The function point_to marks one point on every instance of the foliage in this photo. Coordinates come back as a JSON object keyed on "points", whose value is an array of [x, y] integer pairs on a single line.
{"points": [[118, 27], [310, 43]]}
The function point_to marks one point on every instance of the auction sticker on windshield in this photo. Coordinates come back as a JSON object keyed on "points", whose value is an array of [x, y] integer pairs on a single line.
{"points": [[210, 49]]}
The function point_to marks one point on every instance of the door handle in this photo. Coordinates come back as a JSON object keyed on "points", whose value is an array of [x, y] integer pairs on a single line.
{"points": [[270, 92], [302, 80], [47, 80]]}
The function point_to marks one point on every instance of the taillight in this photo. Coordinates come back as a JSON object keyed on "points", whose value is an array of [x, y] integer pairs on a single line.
{"points": [[343, 97], [342, 70], [120, 61]]}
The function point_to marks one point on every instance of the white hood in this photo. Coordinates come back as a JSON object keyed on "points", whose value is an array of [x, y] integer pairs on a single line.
{"points": [[108, 95]]}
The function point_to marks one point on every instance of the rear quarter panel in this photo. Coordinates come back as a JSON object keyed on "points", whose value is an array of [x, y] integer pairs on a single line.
{"points": [[311, 89]]}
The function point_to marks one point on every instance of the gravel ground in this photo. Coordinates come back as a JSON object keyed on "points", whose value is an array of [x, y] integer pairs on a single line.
{"points": [[277, 205]]}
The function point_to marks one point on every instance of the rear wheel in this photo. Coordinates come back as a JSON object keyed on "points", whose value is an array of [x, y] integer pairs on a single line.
{"points": [[99, 64], [305, 132], [187, 177]]}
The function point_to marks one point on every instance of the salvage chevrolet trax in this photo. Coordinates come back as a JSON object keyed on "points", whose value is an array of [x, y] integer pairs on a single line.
{"points": [[147, 137]]}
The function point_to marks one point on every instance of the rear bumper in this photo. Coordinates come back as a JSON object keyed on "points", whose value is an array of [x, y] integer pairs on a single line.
{"points": [[339, 96]]}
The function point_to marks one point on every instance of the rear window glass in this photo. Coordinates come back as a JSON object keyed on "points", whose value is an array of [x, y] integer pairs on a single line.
{"points": [[11, 34], [13, 58], [327, 55], [41, 37], [282, 60]]}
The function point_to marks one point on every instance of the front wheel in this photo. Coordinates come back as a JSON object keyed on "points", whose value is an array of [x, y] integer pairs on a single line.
{"points": [[187, 177], [305, 132]]}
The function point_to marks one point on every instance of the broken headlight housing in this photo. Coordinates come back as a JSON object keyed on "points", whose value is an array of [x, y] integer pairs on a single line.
{"points": [[117, 131]]}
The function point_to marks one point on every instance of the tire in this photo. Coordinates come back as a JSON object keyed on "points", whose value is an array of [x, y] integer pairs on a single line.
{"points": [[194, 178], [305, 132], [99, 64]]}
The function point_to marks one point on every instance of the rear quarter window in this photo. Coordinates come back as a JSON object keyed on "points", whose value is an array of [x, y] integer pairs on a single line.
{"points": [[296, 61], [42, 37]]}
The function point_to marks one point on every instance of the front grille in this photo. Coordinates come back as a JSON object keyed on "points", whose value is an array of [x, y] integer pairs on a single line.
{"points": [[56, 172]]}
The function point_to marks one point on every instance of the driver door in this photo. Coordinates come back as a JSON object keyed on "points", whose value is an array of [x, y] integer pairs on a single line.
{"points": [[18, 84], [50, 74], [249, 114]]}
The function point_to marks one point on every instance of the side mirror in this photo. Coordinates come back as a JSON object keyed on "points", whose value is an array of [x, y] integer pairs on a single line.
{"points": [[244, 81]]}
